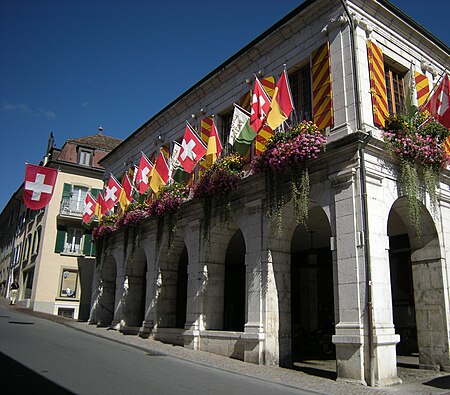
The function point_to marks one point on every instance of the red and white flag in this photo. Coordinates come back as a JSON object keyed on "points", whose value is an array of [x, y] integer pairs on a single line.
{"points": [[260, 106], [90, 206], [439, 103], [100, 208], [192, 149], [143, 174], [38, 186], [112, 193], [126, 194]]}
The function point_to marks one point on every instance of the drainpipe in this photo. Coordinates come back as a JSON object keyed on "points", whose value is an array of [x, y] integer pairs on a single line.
{"points": [[363, 194]]}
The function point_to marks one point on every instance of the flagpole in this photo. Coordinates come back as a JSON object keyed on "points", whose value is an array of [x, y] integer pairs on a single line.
{"points": [[435, 86]]}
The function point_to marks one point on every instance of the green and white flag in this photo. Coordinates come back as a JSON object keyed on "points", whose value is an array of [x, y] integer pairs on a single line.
{"points": [[176, 170], [241, 133]]}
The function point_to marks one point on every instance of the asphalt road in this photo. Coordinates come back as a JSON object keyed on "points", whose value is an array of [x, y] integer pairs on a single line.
{"points": [[43, 357]]}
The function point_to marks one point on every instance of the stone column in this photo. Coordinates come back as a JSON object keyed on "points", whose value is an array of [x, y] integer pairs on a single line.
{"points": [[255, 290], [349, 337]]}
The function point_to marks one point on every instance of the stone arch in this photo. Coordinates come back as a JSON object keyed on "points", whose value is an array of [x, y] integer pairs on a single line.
{"points": [[107, 296], [134, 292], [416, 265]]}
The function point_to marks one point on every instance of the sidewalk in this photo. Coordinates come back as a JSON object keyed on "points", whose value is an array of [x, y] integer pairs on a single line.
{"points": [[415, 381]]}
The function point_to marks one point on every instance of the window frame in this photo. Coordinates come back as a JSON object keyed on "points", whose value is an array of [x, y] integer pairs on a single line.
{"points": [[63, 293], [395, 80]]}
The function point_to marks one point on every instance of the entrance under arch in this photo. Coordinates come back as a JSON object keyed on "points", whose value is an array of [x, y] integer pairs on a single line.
{"points": [[107, 297], [312, 291], [418, 287], [234, 288]]}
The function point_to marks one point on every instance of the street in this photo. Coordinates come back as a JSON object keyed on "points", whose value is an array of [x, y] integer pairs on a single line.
{"points": [[41, 356]]}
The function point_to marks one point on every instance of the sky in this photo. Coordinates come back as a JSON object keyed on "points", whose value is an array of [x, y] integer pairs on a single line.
{"points": [[70, 66]]}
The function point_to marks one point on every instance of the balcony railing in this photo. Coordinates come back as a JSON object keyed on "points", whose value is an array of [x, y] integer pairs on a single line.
{"points": [[72, 249], [71, 207]]}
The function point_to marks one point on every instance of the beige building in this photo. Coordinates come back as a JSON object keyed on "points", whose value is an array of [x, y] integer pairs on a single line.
{"points": [[50, 251]]}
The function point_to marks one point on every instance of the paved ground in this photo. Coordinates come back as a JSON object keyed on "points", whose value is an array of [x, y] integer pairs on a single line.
{"points": [[312, 375]]}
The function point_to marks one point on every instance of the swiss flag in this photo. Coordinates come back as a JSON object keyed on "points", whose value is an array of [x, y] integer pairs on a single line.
{"points": [[439, 104], [143, 174], [260, 107], [192, 149], [112, 193], [90, 206], [100, 209], [38, 186]]}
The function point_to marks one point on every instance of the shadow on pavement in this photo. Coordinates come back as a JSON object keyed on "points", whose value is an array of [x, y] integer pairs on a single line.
{"points": [[21, 380], [439, 382]]}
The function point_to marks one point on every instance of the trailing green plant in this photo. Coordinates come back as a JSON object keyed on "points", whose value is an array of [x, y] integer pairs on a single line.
{"points": [[215, 186], [418, 144], [284, 159]]}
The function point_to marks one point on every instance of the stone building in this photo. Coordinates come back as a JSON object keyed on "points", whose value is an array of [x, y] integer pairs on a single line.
{"points": [[49, 251], [358, 272]]}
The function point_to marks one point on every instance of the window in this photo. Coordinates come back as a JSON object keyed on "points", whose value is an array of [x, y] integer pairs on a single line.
{"points": [[73, 241], [69, 281], [395, 90], [300, 82], [73, 198], [85, 157], [226, 119], [66, 312]]}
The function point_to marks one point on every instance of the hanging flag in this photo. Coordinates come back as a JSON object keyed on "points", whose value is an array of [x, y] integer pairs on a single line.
{"points": [[422, 88], [176, 171], [259, 107], [439, 104], [214, 147], [241, 133], [192, 149], [262, 139], [100, 208], [268, 84], [245, 100], [205, 130], [143, 174], [112, 192], [282, 103], [38, 186], [160, 173], [90, 205], [411, 95], [126, 197], [446, 145], [377, 84]]}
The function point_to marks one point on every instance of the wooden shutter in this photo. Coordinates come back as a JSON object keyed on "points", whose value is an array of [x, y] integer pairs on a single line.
{"points": [[321, 84], [67, 189], [87, 245], [377, 84], [60, 239], [422, 87]]}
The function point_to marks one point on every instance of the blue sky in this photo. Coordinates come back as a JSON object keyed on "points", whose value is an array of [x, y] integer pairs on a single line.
{"points": [[70, 66]]}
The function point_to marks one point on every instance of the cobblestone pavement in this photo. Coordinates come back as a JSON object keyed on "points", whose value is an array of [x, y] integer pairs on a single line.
{"points": [[316, 376]]}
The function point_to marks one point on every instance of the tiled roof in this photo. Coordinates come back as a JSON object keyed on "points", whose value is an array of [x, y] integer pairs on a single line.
{"points": [[98, 140]]}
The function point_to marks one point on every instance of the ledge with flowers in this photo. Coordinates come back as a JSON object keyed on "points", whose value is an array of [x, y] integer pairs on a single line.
{"points": [[284, 159], [419, 142]]}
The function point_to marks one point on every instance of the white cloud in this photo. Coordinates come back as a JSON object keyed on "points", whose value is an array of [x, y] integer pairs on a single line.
{"points": [[25, 109]]}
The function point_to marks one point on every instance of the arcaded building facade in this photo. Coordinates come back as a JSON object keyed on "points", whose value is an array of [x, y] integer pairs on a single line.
{"points": [[358, 275]]}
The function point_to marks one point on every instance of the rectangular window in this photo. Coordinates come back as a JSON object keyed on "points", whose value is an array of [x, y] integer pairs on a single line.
{"points": [[85, 157], [73, 241], [225, 131], [395, 90], [69, 283], [300, 82], [66, 312]]}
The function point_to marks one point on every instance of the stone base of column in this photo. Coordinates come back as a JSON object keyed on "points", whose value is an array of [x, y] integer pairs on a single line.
{"points": [[146, 329], [191, 339]]}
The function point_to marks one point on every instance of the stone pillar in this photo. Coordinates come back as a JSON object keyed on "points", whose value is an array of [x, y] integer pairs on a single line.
{"points": [[121, 289], [349, 337], [384, 339], [197, 282], [255, 290], [152, 288]]}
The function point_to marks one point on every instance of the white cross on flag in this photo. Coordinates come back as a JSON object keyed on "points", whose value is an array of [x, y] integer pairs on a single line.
{"points": [[260, 107], [90, 205], [112, 193], [192, 149], [38, 186], [143, 174]]}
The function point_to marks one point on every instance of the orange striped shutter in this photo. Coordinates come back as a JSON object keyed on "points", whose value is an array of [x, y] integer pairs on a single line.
{"points": [[377, 84], [262, 138], [269, 85], [245, 100], [321, 87], [422, 87], [205, 130]]}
